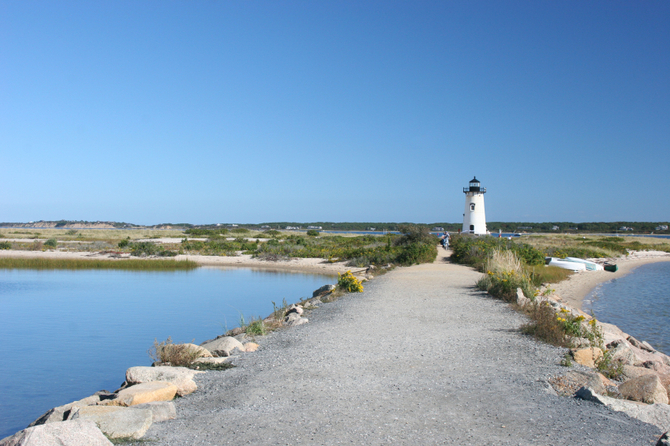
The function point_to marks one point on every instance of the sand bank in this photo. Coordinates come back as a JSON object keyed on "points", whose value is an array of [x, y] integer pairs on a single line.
{"points": [[301, 265], [313, 266], [579, 285]]}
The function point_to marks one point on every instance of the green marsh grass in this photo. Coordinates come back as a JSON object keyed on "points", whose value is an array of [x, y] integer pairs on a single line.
{"points": [[84, 264]]}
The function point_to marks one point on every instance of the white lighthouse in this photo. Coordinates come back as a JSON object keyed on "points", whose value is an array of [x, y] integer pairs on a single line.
{"points": [[474, 216]]}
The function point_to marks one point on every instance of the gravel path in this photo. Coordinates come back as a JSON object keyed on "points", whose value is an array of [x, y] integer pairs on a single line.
{"points": [[419, 357]]}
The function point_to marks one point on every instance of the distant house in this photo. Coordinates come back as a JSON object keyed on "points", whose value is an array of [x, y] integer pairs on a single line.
{"points": [[292, 228], [625, 228], [662, 227], [555, 228], [437, 229], [314, 227]]}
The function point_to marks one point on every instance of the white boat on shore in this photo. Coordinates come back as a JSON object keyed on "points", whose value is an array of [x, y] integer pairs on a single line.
{"points": [[590, 266], [565, 264]]}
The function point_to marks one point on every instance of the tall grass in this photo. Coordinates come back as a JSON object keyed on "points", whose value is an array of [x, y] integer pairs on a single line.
{"points": [[504, 274], [84, 264]]}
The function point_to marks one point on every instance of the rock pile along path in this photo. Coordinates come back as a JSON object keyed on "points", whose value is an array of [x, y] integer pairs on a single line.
{"points": [[420, 357]]}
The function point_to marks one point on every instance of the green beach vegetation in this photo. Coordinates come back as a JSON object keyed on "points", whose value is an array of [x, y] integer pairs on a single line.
{"points": [[510, 265]]}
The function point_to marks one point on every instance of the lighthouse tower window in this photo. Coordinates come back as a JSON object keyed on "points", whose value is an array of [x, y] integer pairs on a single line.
{"points": [[472, 206]]}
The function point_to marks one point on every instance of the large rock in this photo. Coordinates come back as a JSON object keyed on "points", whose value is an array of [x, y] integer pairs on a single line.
{"points": [[644, 345], [144, 393], [647, 389], [250, 347], [61, 413], [294, 319], [521, 299], [117, 422], [656, 414], [211, 360], [630, 372], [223, 346], [160, 410], [323, 290], [621, 351], [66, 433], [181, 377], [198, 351], [294, 308], [312, 303], [587, 356]]}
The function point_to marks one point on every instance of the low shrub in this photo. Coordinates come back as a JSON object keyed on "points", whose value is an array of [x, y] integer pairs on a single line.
{"points": [[256, 327], [208, 366], [544, 325], [5, 245], [313, 233], [198, 232], [349, 283], [124, 243], [52, 243], [141, 249], [610, 367], [177, 355]]}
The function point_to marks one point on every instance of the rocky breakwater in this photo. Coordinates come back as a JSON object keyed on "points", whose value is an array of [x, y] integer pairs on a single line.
{"points": [[146, 395], [617, 370]]}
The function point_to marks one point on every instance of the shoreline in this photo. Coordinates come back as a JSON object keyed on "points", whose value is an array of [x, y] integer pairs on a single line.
{"points": [[574, 290], [296, 265]]}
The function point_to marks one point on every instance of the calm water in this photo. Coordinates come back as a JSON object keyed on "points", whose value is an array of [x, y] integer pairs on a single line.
{"points": [[638, 303], [67, 334]]}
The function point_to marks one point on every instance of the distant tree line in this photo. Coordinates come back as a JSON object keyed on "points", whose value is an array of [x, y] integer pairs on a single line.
{"points": [[530, 227]]}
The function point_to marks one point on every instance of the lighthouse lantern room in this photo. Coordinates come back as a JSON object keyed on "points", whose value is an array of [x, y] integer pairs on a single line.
{"points": [[474, 216]]}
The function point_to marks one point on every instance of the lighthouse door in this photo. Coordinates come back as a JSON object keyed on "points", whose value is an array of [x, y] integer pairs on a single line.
{"points": [[472, 227]]}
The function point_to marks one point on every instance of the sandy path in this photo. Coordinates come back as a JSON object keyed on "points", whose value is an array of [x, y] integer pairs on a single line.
{"points": [[418, 358], [579, 285]]}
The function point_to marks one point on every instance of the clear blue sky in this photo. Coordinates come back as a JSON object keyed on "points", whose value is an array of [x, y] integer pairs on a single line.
{"points": [[254, 111]]}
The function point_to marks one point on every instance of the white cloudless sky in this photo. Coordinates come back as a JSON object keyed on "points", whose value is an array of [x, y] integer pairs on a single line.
{"points": [[255, 111]]}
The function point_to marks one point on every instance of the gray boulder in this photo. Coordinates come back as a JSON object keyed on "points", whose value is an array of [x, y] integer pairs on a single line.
{"points": [[323, 290], [61, 413], [312, 303], [656, 414], [294, 309], [181, 377], [521, 299], [620, 351], [116, 421], [223, 346], [160, 410], [294, 319], [65, 433]]}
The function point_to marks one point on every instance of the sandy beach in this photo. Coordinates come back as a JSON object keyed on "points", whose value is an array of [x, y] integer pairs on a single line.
{"points": [[579, 285]]}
